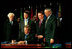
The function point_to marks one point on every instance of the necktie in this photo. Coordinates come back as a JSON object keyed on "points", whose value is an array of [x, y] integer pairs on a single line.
{"points": [[39, 24], [25, 22], [46, 22]]}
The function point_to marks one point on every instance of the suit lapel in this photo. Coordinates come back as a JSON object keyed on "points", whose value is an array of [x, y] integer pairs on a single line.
{"points": [[22, 26], [48, 21], [28, 21]]}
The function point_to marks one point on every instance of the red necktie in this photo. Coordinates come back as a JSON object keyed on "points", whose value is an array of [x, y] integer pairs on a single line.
{"points": [[39, 24]]}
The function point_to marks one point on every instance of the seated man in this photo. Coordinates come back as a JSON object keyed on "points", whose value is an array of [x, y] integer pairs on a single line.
{"points": [[26, 36]]}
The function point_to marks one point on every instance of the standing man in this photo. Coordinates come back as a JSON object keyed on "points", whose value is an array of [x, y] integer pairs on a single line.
{"points": [[50, 26], [59, 32], [10, 28], [40, 28]]}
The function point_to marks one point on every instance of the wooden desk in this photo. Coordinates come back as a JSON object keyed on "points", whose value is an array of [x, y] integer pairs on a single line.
{"points": [[21, 46]]}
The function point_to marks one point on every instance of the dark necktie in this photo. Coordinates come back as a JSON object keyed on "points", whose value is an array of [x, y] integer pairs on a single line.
{"points": [[39, 24]]}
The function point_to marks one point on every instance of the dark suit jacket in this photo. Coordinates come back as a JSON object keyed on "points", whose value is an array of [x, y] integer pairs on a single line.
{"points": [[59, 31], [41, 30], [50, 28], [10, 31], [30, 38]]}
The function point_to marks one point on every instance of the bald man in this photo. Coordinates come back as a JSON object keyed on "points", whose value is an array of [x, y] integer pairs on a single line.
{"points": [[50, 26]]}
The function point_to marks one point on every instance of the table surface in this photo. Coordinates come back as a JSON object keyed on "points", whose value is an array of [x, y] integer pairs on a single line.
{"points": [[27, 46], [21, 46]]}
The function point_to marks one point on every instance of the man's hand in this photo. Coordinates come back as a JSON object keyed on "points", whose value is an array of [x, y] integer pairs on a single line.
{"points": [[40, 36], [13, 41], [51, 41], [21, 42]]}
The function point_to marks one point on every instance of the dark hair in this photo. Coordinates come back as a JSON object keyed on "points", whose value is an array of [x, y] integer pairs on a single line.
{"points": [[41, 12], [27, 12], [27, 26]]}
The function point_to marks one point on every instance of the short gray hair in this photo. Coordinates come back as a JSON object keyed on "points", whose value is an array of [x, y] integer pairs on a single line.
{"points": [[11, 14], [49, 9]]}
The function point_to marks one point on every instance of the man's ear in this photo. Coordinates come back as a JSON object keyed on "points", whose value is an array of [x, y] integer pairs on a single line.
{"points": [[50, 12]]}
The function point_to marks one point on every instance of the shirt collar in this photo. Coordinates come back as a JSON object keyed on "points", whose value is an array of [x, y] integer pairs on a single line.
{"points": [[10, 21], [27, 34], [48, 17], [26, 19]]}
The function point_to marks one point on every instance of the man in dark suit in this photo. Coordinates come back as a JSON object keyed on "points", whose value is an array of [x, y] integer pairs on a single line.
{"points": [[27, 36], [26, 21], [10, 28], [59, 25], [59, 31], [40, 28], [50, 27]]}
